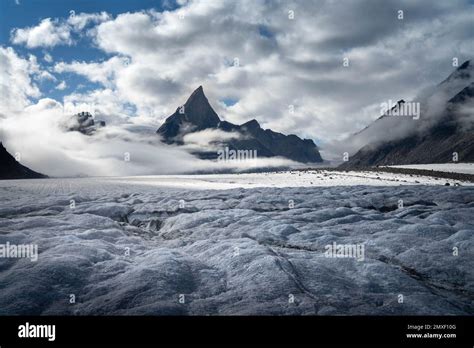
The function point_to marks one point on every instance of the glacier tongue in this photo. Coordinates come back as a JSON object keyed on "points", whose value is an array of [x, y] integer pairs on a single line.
{"points": [[138, 249]]}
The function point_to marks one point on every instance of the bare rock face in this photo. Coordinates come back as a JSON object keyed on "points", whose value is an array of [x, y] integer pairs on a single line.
{"points": [[10, 168], [197, 115]]}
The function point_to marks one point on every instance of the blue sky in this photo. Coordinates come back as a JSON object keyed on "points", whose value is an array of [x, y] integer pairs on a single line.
{"points": [[28, 13]]}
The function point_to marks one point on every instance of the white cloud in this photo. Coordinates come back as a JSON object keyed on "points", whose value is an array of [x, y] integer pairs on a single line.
{"points": [[207, 139], [103, 103], [103, 72], [79, 21], [16, 86], [48, 58], [52, 32], [46, 75], [48, 33], [61, 86]]}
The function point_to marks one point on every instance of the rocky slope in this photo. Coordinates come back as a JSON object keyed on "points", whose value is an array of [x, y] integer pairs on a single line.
{"points": [[11, 169], [440, 131]]}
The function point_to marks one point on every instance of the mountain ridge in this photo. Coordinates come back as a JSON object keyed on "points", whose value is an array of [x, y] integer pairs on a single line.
{"points": [[440, 135], [197, 115]]}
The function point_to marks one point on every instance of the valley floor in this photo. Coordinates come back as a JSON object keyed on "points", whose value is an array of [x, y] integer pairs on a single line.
{"points": [[239, 244]]}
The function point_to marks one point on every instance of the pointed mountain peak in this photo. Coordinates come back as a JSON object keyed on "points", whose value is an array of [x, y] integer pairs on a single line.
{"points": [[196, 111], [197, 96], [251, 124], [199, 112], [464, 65], [463, 72]]}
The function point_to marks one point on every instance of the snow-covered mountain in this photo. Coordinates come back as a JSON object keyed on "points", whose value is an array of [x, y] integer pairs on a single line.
{"points": [[196, 123], [444, 126], [11, 169]]}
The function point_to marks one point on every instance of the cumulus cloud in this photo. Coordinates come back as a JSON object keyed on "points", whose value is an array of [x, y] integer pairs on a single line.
{"points": [[16, 85], [61, 86], [103, 72], [79, 21], [52, 32], [47, 33], [46, 75], [48, 58]]}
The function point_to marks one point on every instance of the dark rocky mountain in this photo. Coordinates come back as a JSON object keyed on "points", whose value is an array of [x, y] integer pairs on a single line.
{"points": [[11, 169], [197, 115], [84, 123], [435, 138]]}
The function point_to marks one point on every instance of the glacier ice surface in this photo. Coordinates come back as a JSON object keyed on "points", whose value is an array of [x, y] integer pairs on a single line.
{"points": [[151, 250]]}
